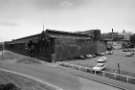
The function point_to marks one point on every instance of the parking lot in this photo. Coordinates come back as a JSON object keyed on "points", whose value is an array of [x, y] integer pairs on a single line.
{"points": [[126, 64]]}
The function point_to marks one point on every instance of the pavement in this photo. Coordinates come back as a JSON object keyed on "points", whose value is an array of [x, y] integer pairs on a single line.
{"points": [[57, 76]]}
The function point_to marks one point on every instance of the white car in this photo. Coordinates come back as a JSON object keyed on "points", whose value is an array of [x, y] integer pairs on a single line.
{"points": [[129, 54], [99, 67], [102, 59]]}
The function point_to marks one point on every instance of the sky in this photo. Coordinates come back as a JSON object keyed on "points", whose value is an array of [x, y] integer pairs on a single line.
{"points": [[20, 18]]}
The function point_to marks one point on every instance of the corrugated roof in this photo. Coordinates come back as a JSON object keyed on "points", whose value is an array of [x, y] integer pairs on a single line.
{"points": [[26, 39], [61, 34], [52, 34]]}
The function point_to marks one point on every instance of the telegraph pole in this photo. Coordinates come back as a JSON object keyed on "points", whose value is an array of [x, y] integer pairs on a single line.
{"points": [[3, 49], [112, 41], [112, 36]]}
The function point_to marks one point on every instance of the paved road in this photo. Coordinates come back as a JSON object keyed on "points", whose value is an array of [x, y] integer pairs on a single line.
{"points": [[56, 76]]}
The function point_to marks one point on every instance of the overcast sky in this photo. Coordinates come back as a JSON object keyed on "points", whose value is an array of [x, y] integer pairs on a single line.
{"points": [[20, 18]]}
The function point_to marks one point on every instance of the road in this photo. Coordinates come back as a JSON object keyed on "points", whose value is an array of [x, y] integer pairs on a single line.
{"points": [[56, 76]]}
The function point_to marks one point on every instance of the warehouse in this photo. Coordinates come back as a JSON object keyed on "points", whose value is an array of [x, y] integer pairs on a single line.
{"points": [[52, 45]]}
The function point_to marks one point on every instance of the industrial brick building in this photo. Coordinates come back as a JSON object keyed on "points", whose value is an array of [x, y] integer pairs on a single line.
{"points": [[52, 45]]}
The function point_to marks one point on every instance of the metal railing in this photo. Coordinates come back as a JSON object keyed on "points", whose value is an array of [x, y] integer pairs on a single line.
{"points": [[111, 75]]}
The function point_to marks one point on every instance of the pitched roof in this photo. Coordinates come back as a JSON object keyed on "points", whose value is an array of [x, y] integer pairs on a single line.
{"points": [[52, 34], [70, 35], [26, 39]]}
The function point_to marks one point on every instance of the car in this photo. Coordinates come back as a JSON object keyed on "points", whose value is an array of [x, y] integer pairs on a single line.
{"points": [[99, 67], [129, 54], [102, 59], [126, 50], [89, 56], [109, 52]]}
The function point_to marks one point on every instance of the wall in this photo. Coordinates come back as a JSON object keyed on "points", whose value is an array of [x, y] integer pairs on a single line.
{"points": [[101, 47], [68, 49]]}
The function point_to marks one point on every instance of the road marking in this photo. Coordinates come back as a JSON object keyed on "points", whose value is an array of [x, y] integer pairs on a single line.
{"points": [[33, 78]]}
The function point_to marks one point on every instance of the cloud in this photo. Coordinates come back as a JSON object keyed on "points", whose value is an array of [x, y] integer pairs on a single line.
{"points": [[7, 23], [57, 4], [66, 4]]}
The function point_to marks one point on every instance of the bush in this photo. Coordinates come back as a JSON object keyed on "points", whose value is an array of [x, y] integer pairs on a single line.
{"points": [[9, 86]]}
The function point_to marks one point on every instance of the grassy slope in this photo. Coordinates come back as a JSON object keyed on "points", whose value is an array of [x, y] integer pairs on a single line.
{"points": [[7, 55], [21, 82]]}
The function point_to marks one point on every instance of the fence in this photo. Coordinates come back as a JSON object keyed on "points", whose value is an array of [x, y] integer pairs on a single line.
{"points": [[111, 75]]}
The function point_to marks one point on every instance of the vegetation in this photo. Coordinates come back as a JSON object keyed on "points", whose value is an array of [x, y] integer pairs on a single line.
{"points": [[7, 55], [132, 40], [9, 81], [9, 86]]}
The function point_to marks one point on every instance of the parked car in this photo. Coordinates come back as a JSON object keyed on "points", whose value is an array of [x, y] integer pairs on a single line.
{"points": [[99, 67], [129, 54], [100, 64], [126, 50], [102, 59]]}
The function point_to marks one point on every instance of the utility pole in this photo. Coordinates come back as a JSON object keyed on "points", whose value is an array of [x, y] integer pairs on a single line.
{"points": [[3, 50], [112, 36], [112, 41]]}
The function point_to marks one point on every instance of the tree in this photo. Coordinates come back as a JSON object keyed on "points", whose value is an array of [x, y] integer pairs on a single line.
{"points": [[132, 40]]}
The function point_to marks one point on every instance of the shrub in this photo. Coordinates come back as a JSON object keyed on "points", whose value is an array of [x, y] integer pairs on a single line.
{"points": [[9, 86]]}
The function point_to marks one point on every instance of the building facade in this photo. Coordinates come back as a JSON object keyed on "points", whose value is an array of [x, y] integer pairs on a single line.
{"points": [[52, 45]]}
